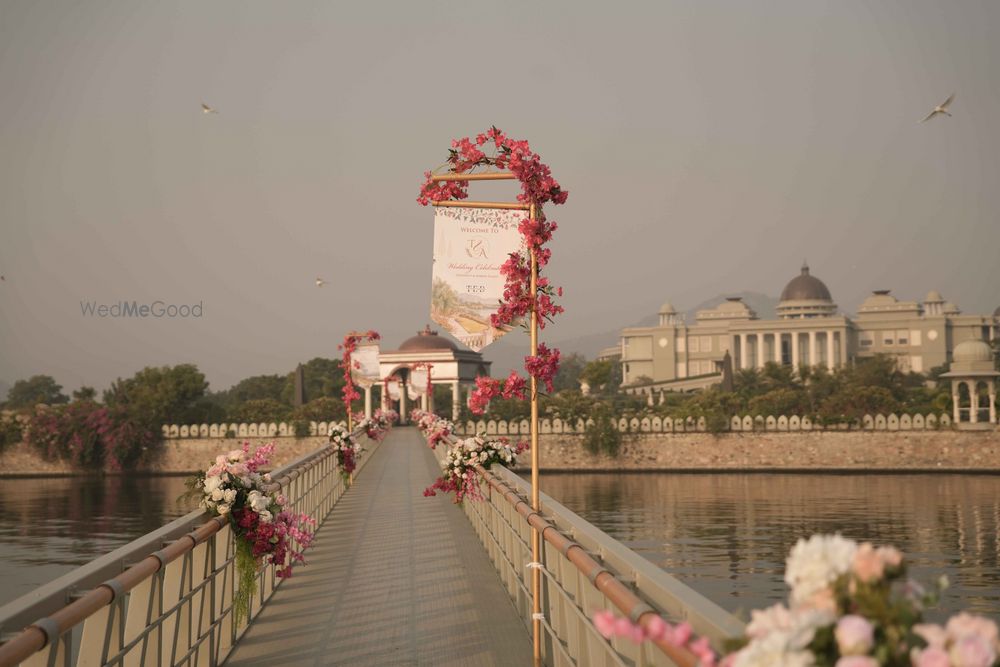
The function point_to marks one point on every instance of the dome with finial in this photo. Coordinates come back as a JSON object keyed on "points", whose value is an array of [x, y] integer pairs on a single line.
{"points": [[667, 309], [427, 340], [806, 295], [805, 287]]}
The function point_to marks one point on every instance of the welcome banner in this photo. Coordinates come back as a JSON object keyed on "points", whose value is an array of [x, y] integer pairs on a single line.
{"points": [[364, 364], [470, 245], [418, 381]]}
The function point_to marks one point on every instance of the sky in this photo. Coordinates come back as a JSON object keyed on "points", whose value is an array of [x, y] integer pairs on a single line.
{"points": [[709, 147]]}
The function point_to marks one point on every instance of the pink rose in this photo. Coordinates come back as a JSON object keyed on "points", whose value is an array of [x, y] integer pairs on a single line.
{"points": [[857, 661], [966, 624], [656, 628], [867, 564], [855, 635], [972, 651], [934, 635], [929, 657]]}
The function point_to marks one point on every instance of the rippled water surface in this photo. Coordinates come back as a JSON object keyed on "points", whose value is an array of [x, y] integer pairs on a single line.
{"points": [[728, 535], [49, 526]]}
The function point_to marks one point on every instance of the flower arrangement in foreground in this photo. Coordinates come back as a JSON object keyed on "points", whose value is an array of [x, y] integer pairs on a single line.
{"points": [[263, 530], [435, 429], [851, 605], [459, 474], [347, 449]]}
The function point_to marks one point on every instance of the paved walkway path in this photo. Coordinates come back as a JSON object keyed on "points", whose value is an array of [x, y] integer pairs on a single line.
{"points": [[393, 579]]}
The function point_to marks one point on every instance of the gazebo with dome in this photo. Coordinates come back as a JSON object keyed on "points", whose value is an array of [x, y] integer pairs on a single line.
{"points": [[451, 365], [973, 385]]}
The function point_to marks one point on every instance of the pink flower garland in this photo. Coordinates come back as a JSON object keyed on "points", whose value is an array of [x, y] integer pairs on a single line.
{"points": [[537, 187]]}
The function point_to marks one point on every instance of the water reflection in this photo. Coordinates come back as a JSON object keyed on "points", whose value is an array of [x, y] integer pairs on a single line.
{"points": [[728, 535], [49, 526]]}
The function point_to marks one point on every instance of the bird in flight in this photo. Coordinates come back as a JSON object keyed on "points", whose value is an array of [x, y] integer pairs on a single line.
{"points": [[207, 109], [941, 108], [320, 282]]}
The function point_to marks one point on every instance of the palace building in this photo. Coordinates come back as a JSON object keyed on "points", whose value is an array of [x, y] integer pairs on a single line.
{"points": [[808, 331]]}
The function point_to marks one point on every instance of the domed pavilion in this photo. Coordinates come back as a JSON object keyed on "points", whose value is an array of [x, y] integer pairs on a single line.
{"points": [[973, 385], [450, 364]]}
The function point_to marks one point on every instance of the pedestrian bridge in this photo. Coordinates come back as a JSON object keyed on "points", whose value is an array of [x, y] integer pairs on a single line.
{"points": [[393, 578]]}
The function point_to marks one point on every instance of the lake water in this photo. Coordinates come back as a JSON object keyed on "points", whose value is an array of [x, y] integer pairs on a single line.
{"points": [[726, 535], [50, 526]]}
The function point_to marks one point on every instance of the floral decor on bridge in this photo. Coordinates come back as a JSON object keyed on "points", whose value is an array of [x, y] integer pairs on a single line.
{"points": [[435, 429], [235, 488], [459, 474], [851, 605], [346, 448], [378, 426], [537, 187]]}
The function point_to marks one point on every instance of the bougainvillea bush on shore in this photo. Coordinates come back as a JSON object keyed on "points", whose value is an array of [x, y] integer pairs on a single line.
{"points": [[538, 187], [851, 605], [91, 436], [346, 448], [235, 488]]}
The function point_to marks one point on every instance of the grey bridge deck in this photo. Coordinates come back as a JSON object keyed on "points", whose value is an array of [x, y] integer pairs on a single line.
{"points": [[393, 579]]}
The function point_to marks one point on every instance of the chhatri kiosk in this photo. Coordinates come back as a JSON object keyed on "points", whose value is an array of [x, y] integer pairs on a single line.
{"points": [[450, 364]]}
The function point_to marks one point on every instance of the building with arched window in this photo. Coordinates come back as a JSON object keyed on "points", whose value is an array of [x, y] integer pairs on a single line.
{"points": [[808, 331]]}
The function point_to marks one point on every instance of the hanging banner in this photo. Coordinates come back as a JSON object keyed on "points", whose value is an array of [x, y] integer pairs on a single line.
{"points": [[412, 393], [418, 381], [470, 245], [393, 387], [364, 364]]}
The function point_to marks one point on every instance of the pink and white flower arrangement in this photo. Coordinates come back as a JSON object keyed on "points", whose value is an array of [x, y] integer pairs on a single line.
{"points": [[850, 605], [459, 474], [346, 448], [235, 488], [435, 429]]}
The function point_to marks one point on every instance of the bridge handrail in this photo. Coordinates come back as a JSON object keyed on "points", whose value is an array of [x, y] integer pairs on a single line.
{"points": [[58, 618], [613, 562]]}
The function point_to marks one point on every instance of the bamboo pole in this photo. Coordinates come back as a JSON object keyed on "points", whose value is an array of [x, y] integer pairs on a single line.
{"points": [[536, 573], [484, 204], [493, 176]]}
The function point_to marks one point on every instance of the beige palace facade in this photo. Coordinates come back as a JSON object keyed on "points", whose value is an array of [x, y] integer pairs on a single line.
{"points": [[807, 332]]}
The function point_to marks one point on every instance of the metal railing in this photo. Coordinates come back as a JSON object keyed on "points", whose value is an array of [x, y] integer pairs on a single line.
{"points": [[165, 598], [584, 570]]}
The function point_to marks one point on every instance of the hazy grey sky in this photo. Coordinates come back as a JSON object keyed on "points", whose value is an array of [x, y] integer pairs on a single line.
{"points": [[708, 147]]}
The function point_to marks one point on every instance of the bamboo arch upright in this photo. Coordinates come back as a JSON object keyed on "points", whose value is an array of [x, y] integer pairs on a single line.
{"points": [[532, 210]]}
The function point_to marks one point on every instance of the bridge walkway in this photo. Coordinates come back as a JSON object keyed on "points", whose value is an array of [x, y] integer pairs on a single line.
{"points": [[393, 578]]}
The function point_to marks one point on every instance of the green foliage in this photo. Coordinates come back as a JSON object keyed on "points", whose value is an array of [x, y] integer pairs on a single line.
{"points": [[602, 437], [323, 378], [162, 395], [10, 431], [324, 409], [38, 389], [85, 394], [598, 374], [260, 410], [570, 370], [300, 428]]}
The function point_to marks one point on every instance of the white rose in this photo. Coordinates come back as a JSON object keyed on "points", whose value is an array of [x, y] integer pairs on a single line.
{"points": [[223, 509], [265, 516], [229, 496], [217, 495], [211, 484], [815, 564]]}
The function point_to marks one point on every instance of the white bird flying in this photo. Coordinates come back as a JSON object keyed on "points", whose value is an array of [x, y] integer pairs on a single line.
{"points": [[320, 282], [941, 108], [207, 109]]}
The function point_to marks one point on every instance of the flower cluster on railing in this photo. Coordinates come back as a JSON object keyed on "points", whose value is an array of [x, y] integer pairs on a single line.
{"points": [[435, 429], [347, 450], [851, 605], [519, 300], [378, 426], [459, 467], [234, 488]]}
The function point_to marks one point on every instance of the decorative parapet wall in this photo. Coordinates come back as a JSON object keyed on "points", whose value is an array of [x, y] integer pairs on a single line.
{"points": [[736, 424], [261, 430]]}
